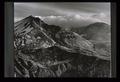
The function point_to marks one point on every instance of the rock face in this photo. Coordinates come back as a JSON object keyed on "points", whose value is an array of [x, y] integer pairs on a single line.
{"points": [[43, 50]]}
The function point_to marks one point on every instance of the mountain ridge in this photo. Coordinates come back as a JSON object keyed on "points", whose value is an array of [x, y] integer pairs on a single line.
{"points": [[50, 50], [66, 37]]}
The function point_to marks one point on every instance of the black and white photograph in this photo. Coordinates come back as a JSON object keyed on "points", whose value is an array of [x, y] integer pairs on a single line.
{"points": [[62, 39]]}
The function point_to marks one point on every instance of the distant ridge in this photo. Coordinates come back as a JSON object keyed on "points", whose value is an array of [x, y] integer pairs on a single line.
{"points": [[98, 31]]}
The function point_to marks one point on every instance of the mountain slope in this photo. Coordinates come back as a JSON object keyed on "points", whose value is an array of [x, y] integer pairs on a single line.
{"points": [[28, 32], [74, 41], [97, 31], [100, 35], [43, 50]]}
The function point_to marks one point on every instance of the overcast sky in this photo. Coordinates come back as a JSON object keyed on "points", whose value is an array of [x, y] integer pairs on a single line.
{"points": [[65, 14]]}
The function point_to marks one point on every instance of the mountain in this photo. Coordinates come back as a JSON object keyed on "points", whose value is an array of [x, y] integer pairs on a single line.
{"points": [[97, 31], [99, 34], [30, 33], [37, 34], [74, 41], [78, 30], [26, 25], [43, 50]]}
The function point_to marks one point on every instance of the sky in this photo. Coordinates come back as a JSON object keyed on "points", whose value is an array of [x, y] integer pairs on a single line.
{"points": [[65, 14]]}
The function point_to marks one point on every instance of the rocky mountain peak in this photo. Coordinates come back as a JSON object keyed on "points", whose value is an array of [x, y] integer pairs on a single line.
{"points": [[43, 50]]}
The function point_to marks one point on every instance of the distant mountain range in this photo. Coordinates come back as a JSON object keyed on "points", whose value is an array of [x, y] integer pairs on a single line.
{"points": [[44, 45]]}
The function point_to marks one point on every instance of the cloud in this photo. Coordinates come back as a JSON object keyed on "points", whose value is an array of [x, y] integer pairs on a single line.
{"points": [[71, 20], [74, 20], [47, 9], [16, 19], [65, 14], [103, 17]]}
